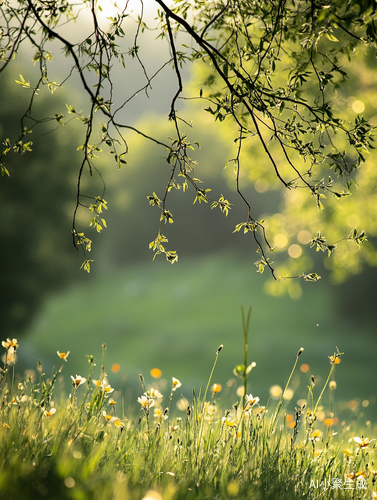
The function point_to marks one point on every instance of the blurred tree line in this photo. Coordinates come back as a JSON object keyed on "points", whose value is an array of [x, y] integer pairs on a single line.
{"points": [[36, 211]]}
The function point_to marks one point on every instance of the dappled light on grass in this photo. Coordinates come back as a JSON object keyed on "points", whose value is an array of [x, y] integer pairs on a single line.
{"points": [[97, 447]]}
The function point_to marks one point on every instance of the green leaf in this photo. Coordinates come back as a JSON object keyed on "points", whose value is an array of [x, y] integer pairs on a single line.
{"points": [[331, 37]]}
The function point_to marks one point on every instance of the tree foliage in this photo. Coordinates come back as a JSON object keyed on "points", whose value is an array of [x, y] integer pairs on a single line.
{"points": [[269, 69]]}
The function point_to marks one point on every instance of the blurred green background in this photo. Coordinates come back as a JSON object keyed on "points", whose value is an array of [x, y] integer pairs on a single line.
{"points": [[152, 314]]}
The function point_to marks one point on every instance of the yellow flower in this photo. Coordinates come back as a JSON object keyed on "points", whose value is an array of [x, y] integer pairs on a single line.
{"points": [[107, 417], [356, 475], [10, 343], [112, 402], [117, 422], [216, 388], [76, 382], [348, 453], [334, 360], [229, 421], [63, 355], [175, 384], [316, 435]]}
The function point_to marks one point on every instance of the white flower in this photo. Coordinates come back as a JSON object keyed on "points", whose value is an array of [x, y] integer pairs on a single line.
{"points": [[78, 380], [10, 343], [158, 413], [145, 402], [107, 389], [175, 384], [250, 401], [49, 413], [154, 393]]}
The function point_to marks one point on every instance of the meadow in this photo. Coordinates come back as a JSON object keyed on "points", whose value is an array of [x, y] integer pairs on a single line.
{"points": [[174, 317], [88, 444]]}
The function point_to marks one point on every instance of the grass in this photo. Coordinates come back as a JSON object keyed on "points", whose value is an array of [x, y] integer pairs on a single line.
{"points": [[90, 444]]}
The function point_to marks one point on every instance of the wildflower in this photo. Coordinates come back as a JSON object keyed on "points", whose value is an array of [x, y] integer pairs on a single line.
{"points": [[216, 388], [10, 356], [18, 400], [107, 389], [356, 475], [335, 359], [251, 401], [10, 343], [145, 402], [154, 393], [362, 442], [229, 421], [112, 402], [209, 411], [76, 382], [63, 355], [316, 435], [49, 413], [108, 418], [117, 422], [158, 413], [97, 383], [174, 428], [259, 412], [348, 453], [176, 384]]}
